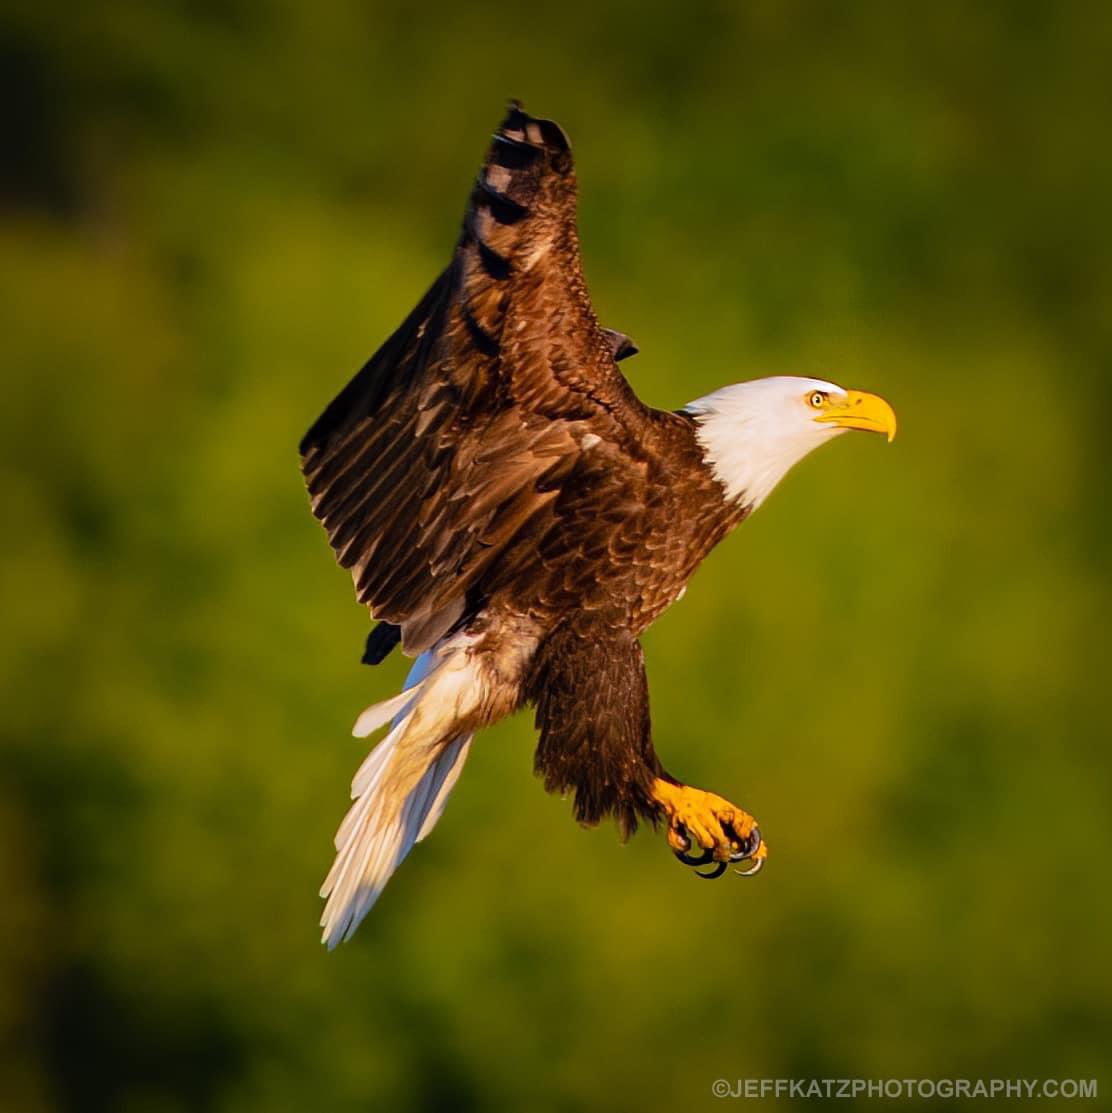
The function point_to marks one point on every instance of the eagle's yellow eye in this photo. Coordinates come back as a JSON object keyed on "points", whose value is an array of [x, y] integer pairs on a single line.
{"points": [[817, 399]]}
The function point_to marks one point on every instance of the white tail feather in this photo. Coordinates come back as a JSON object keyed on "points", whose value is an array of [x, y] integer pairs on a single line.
{"points": [[375, 763], [401, 788], [449, 766]]}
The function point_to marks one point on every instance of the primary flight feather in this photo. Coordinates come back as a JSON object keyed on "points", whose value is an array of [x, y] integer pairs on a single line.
{"points": [[516, 518]]}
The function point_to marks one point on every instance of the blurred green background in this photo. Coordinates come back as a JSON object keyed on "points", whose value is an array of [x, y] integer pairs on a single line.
{"points": [[212, 213]]}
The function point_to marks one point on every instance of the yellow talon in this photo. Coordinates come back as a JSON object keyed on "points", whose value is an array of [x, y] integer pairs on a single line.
{"points": [[704, 818]]}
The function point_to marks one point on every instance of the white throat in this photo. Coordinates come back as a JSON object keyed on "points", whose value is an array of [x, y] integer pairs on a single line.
{"points": [[753, 433]]}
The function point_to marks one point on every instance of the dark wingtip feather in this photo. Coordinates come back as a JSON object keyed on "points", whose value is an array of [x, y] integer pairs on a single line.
{"points": [[621, 347], [380, 643]]}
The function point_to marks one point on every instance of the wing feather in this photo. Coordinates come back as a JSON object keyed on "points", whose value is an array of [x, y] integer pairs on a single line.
{"points": [[462, 427]]}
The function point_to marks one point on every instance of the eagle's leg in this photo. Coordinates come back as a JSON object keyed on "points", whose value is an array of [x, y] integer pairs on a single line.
{"points": [[593, 712], [724, 831]]}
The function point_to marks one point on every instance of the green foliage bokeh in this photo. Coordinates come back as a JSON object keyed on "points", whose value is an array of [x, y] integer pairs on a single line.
{"points": [[212, 213]]}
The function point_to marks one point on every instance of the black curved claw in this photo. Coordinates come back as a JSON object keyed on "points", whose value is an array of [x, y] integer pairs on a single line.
{"points": [[718, 871], [704, 859], [690, 860], [749, 847]]}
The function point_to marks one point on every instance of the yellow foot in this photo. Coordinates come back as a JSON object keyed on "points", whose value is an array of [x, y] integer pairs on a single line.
{"points": [[723, 830]]}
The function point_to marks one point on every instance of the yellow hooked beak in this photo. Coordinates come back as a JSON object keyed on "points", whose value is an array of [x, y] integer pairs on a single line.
{"points": [[861, 410]]}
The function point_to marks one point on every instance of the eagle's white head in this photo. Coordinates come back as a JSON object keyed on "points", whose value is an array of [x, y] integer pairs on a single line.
{"points": [[752, 433]]}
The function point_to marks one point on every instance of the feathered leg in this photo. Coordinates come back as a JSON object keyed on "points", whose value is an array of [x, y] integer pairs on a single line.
{"points": [[592, 703]]}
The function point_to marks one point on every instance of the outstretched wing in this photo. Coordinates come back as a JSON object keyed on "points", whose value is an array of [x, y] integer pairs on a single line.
{"points": [[592, 702], [459, 430]]}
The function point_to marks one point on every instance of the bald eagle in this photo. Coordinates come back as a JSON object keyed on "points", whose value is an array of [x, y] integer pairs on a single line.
{"points": [[516, 517]]}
